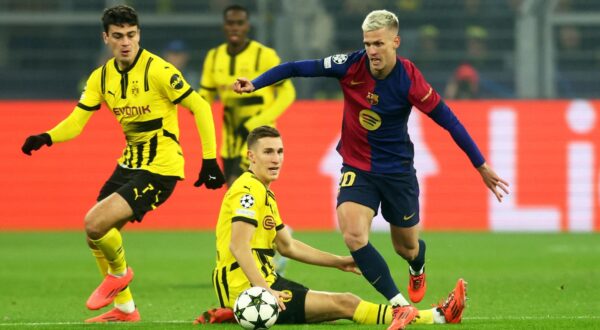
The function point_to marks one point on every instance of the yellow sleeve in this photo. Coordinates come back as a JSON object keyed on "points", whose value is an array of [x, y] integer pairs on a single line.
{"points": [[285, 94], [170, 82], [204, 122], [208, 89], [245, 204], [90, 101], [71, 127]]}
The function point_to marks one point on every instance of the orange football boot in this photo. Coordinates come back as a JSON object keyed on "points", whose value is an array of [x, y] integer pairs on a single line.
{"points": [[116, 315], [402, 316], [416, 287], [454, 305], [216, 315], [106, 292]]}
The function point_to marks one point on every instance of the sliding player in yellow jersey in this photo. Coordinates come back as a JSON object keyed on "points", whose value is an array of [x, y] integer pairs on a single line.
{"points": [[249, 224], [142, 91], [240, 55]]}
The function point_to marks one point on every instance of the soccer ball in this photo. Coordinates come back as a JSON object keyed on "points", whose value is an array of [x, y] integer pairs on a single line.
{"points": [[256, 308]]}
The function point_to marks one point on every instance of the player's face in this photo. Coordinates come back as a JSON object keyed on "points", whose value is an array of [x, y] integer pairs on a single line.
{"points": [[236, 26], [381, 48], [266, 158], [124, 42]]}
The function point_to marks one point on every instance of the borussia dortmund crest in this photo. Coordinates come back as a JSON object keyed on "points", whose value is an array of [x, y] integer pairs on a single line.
{"points": [[135, 89], [372, 98]]}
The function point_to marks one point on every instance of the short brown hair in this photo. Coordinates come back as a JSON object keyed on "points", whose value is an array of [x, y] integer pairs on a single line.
{"points": [[261, 132]]}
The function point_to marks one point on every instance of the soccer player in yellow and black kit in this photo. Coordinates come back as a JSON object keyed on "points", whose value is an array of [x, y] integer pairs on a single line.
{"points": [[249, 224], [142, 91], [240, 55]]}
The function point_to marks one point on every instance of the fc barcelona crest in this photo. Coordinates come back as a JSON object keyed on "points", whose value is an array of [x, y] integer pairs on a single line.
{"points": [[372, 98]]}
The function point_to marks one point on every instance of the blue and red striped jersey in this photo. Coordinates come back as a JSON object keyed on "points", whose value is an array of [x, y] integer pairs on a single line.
{"points": [[375, 122], [374, 129]]}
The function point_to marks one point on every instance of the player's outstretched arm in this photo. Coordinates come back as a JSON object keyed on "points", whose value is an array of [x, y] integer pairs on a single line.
{"points": [[307, 68], [300, 251], [210, 174], [66, 130], [495, 183]]}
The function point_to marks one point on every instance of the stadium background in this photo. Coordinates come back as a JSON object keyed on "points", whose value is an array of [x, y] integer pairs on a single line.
{"points": [[534, 116]]}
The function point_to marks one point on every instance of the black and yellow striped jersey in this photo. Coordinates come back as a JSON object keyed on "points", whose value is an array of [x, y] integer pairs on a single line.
{"points": [[259, 108], [250, 201], [143, 99]]}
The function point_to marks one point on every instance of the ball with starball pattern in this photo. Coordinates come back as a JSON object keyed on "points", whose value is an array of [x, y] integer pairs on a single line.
{"points": [[256, 308]]}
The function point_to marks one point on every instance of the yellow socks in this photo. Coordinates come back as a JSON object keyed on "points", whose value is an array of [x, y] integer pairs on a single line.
{"points": [[370, 313], [124, 300], [111, 246]]}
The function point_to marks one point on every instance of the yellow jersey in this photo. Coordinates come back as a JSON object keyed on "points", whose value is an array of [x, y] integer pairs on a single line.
{"points": [[143, 98], [250, 201], [259, 108]]}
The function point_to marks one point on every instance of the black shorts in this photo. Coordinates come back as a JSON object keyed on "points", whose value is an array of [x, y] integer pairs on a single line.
{"points": [[294, 312], [143, 190], [398, 194], [233, 167]]}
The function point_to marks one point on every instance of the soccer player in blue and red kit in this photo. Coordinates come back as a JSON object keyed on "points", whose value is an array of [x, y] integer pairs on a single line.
{"points": [[380, 89]]}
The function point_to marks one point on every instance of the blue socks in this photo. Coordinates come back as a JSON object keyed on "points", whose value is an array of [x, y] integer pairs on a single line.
{"points": [[375, 270], [419, 261]]}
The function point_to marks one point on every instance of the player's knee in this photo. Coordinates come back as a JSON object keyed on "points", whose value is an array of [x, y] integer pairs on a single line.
{"points": [[347, 303], [355, 240], [92, 226]]}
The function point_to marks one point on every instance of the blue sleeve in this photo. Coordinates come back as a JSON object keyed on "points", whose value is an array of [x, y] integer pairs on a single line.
{"points": [[444, 117], [306, 68]]}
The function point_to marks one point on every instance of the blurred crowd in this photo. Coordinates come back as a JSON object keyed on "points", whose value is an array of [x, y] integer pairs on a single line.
{"points": [[465, 48]]}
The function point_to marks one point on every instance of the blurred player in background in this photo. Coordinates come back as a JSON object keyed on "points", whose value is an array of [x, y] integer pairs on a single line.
{"points": [[142, 91], [380, 88], [241, 56], [249, 223]]}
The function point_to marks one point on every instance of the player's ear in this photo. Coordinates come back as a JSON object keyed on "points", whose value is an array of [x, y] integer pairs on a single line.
{"points": [[105, 38], [250, 156], [397, 41]]}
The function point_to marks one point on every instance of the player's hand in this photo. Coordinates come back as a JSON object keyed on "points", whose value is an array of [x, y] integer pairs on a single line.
{"points": [[347, 264], [243, 85], [35, 142], [280, 296], [210, 175], [495, 183]]}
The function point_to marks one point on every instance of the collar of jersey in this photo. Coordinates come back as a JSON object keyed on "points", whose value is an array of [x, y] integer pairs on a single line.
{"points": [[241, 50], [132, 64]]}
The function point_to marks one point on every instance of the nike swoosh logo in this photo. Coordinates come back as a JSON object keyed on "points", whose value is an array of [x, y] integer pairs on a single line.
{"points": [[376, 280], [353, 83], [408, 217]]}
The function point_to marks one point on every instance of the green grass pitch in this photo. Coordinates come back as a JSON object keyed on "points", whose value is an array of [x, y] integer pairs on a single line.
{"points": [[516, 281]]}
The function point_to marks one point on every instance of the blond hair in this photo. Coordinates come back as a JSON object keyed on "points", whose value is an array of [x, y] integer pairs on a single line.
{"points": [[378, 19]]}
